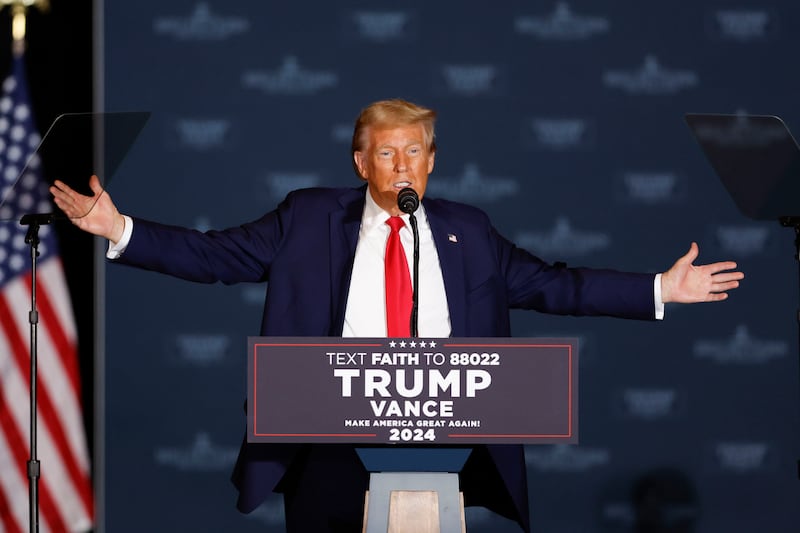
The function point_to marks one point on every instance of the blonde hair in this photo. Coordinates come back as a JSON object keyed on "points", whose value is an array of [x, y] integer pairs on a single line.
{"points": [[392, 113]]}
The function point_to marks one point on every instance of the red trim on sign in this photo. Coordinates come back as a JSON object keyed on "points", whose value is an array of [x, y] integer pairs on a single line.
{"points": [[315, 345], [464, 435], [316, 434]]}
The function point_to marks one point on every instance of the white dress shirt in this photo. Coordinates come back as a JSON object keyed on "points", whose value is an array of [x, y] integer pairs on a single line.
{"points": [[365, 314]]}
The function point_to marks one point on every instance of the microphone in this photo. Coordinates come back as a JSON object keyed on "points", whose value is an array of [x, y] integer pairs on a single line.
{"points": [[408, 200]]}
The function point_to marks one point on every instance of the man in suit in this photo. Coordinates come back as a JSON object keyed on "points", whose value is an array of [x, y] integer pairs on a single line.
{"points": [[322, 252]]}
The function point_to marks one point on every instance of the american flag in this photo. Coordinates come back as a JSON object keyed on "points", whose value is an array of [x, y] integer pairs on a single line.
{"points": [[65, 495]]}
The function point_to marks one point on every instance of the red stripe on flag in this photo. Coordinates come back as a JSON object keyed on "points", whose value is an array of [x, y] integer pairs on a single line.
{"points": [[20, 451], [68, 356], [48, 413], [19, 448], [53, 422], [66, 350], [7, 521]]}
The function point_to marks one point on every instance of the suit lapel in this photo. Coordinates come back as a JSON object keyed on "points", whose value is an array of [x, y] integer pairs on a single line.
{"points": [[344, 226], [450, 247]]}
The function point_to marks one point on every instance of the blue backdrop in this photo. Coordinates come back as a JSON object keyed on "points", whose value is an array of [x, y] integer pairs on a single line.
{"points": [[564, 121]]}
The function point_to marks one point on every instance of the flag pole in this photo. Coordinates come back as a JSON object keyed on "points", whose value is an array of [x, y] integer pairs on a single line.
{"points": [[19, 9]]}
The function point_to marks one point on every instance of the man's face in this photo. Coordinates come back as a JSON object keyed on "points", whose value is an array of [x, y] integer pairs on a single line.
{"points": [[393, 159]]}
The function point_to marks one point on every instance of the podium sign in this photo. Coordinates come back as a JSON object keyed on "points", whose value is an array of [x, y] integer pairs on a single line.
{"points": [[412, 391]]}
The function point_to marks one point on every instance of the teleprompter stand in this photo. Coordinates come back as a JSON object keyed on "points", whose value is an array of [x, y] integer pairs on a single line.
{"points": [[75, 146], [758, 161]]}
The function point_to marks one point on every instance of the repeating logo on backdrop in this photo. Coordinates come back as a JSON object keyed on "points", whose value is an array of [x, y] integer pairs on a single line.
{"points": [[281, 183], [470, 80], [742, 457], [379, 26], [472, 186], [561, 25], [563, 241], [202, 455], [742, 347], [651, 78], [650, 403], [201, 25], [651, 187], [565, 458], [198, 134], [742, 25], [290, 79], [559, 134], [741, 240], [200, 349]]}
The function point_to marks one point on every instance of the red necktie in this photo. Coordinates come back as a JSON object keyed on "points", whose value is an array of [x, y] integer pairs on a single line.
{"points": [[398, 283]]}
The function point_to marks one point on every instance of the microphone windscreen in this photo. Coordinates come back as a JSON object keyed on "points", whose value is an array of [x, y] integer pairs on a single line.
{"points": [[408, 200]]}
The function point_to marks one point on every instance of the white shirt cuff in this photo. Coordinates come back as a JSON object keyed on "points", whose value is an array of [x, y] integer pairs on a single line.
{"points": [[115, 249], [657, 298]]}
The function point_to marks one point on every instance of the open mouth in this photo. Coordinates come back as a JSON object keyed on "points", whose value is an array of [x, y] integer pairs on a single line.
{"points": [[402, 185]]}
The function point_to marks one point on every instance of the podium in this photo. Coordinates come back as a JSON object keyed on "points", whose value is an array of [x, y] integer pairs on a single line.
{"points": [[413, 409]]}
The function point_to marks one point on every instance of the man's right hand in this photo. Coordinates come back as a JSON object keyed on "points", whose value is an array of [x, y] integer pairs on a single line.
{"points": [[95, 214]]}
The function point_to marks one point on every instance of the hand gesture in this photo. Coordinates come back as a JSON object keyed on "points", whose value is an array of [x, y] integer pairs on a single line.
{"points": [[95, 214], [687, 283]]}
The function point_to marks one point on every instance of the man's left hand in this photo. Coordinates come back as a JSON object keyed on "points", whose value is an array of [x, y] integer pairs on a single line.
{"points": [[687, 283]]}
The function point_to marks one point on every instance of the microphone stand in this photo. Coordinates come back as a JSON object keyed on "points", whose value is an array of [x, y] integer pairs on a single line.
{"points": [[414, 276], [408, 202], [34, 221]]}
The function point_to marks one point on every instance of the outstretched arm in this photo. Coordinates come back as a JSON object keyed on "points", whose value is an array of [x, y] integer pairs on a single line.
{"points": [[95, 214], [688, 283]]}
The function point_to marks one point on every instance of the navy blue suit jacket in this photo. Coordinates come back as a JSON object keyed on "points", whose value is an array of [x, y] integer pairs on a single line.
{"points": [[305, 250]]}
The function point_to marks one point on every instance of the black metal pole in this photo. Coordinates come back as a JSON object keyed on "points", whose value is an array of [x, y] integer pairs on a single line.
{"points": [[794, 222], [797, 258], [32, 238], [414, 276], [34, 222]]}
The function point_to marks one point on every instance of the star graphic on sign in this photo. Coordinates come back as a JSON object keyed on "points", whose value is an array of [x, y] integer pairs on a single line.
{"points": [[392, 344], [432, 344], [413, 344], [402, 344], [422, 344]]}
